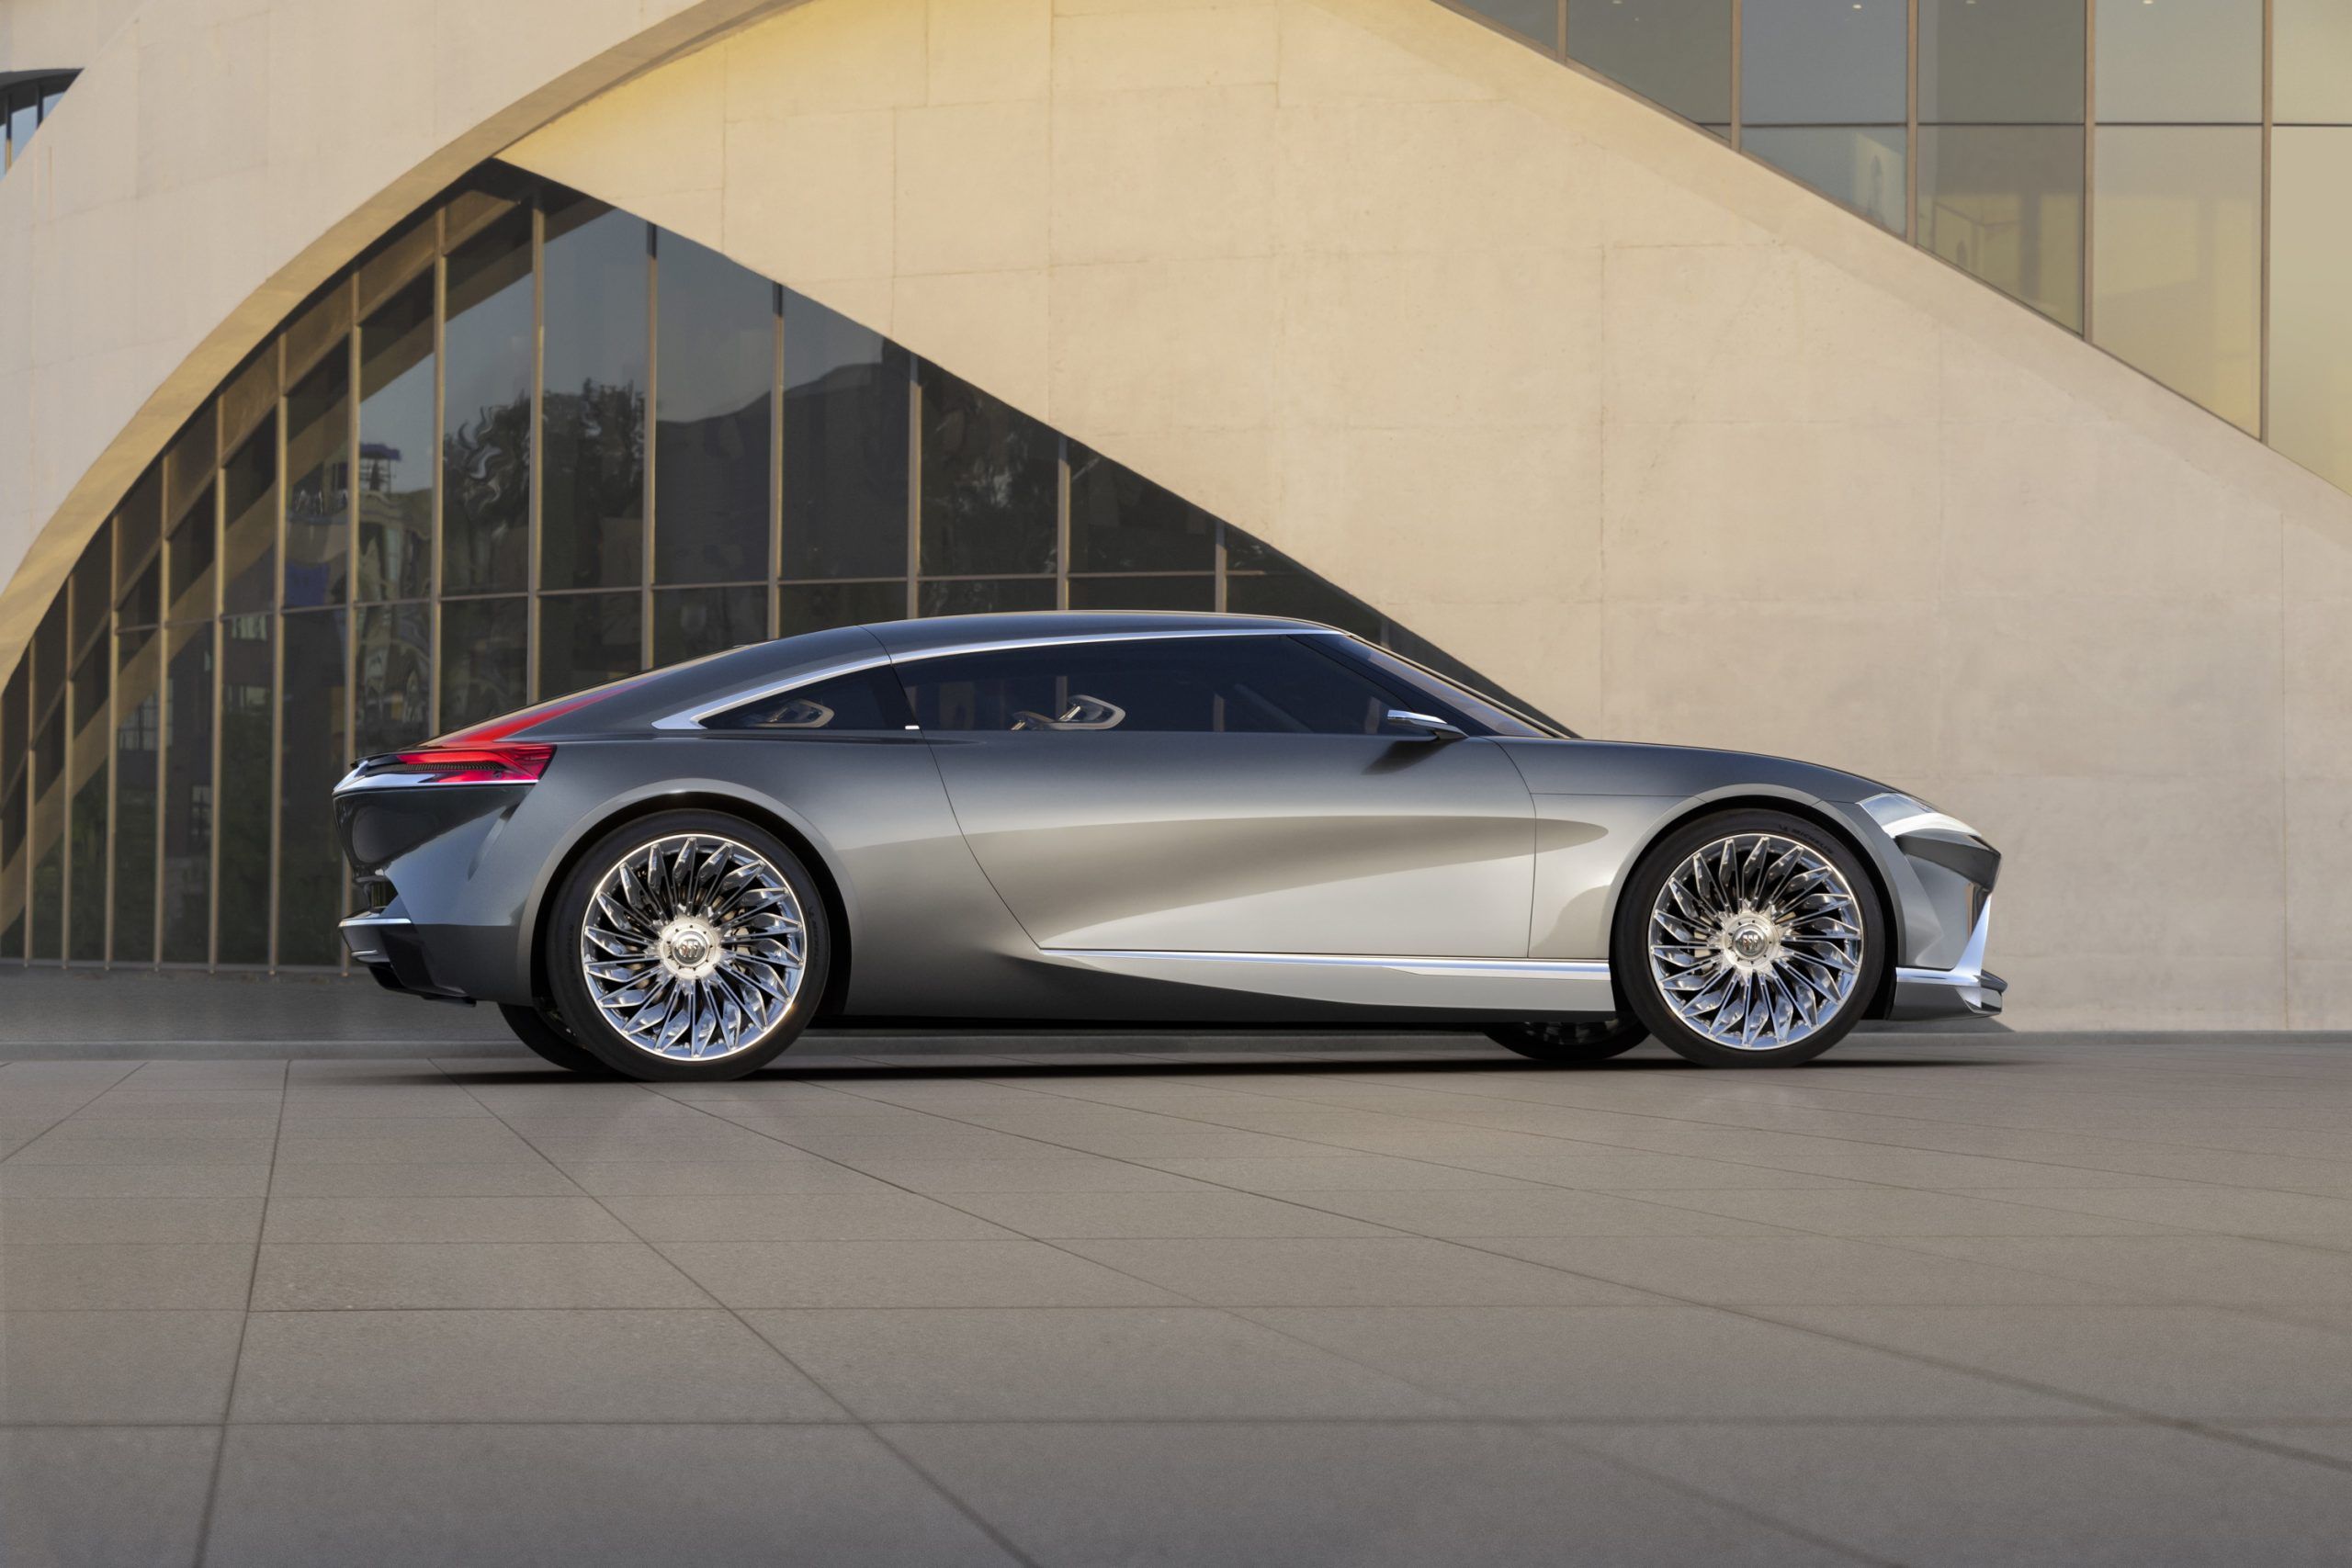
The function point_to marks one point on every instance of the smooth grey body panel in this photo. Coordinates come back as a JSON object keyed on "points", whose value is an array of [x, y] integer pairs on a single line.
{"points": [[1248, 843]]}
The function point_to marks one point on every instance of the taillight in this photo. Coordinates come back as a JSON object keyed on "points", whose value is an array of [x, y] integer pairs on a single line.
{"points": [[508, 762]]}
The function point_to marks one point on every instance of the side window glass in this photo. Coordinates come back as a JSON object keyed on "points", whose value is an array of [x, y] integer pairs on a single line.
{"points": [[865, 699], [1151, 685]]}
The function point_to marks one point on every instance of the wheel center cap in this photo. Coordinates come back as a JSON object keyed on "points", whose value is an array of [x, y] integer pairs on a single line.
{"points": [[1748, 942], [689, 948]]}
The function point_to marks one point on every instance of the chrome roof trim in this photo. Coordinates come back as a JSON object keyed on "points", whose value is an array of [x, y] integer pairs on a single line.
{"points": [[692, 718]]}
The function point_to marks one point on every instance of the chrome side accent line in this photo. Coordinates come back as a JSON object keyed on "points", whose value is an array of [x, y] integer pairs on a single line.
{"points": [[1509, 968], [355, 783], [1512, 988]]}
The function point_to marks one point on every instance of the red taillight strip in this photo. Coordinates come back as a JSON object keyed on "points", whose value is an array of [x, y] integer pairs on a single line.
{"points": [[515, 761]]}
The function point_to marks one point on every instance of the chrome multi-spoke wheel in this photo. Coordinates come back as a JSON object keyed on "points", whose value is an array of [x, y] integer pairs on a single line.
{"points": [[1756, 942], [694, 947]]}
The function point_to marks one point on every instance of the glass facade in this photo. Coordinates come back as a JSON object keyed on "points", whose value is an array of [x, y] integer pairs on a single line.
{"points": [[23, 106], [2168, 178], [526, 444]]}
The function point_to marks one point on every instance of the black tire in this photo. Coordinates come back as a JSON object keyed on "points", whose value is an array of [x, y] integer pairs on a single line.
{"points": [[546, 1035], [1638, 980], [1592, 1039], [562, 950]]}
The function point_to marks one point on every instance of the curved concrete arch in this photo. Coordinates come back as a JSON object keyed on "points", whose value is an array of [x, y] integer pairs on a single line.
{"points": [[215, 161], [1677, 449]]}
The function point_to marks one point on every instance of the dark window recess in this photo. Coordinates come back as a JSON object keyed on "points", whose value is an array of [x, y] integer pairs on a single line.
{"points": [[1184, 686], [867, 699]]}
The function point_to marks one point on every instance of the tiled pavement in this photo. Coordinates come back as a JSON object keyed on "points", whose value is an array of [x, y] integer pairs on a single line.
{"points": [[1930, 1302]]}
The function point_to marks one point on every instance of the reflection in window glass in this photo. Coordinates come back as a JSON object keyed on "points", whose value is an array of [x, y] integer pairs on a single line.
{"points": [[249, 535], [1119, 521], [189, 461], [1286, 589], [869, 700], [1143, 593], [1536, 20], [396, 445], [486, 412], [1861, 167], [845, 446], [814, 606], [690, 622], [592, 517], [711, 441], [47, 846], [86, 781], [2000, 62], [189, 551], [311, 759], [188, 794], [138, 525], [1825, 62], [1261, 685], [484, 646], [586, 639], [2311, 308], [318, 504], [394, 653], [990, 478], [248, 698], [971, 596], [2176, 284], [2184, 61], [138, 728], [93, 584], [2311, 62], [2005, 202], [1675, 52]]}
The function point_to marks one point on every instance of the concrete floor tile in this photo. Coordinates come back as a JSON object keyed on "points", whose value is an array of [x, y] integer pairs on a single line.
{"points": [[469, 1274], [713, 1497], [1027, 1364], [881, 1216], [2225, 1271], [2083, 1496], [510, 1179], [128, 1218], [727, 1179], [1792, 1268], [124, 1276], [1013, 1273], [1063, 1173], [134, 1180], [1896, 1210], [120, 1367], [2240, 1210], [448, 1141], [76, 1496], [1355, 1271], [2331, 1441], [1604, 1171], [1530, 1211], [1340, 1173], [1197, 1214], [149, 1142], [710, 1141], [1347, 1496], [515, 1366], [440, 1219]]}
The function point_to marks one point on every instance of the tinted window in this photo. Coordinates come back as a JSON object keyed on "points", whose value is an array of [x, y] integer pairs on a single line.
{"points": [[1450, 699], [1248, 684], [868, 699]]}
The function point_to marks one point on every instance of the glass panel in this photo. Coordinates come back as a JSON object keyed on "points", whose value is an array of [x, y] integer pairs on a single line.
{"points": [[187, 794], [395, 679], [1675, 52], [87, 779], [2005, 202], [138, 526], [1536, 20], [1143, 593], [190, 553], [396, 446], [48, 844], [813, 606], [2311, 61], [690, 622], [2181, 61], [311, 759], [249, 535], [1119, 521], [591, 518], [1825, 62], [1263, 581], [395, 260], [870, 699], [15, 720], [845, 446], [322, 326], [983, 597], [49, 657], [189, 461], [586, 639], [2311, 308], [318, 504], [989, 474], [137, 727], [23, 120], [484, 646], [486, 412], [13, 728], [1205, 686], [2000, 62], [716, 376], [2176, 273], [249, 394], [93, 586], [248, 692], [1862, 168]]}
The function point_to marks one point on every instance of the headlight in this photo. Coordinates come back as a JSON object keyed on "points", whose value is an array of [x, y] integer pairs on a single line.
{"points": [[1901, 814]]}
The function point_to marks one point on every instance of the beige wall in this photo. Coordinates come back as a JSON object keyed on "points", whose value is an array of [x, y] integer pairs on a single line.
{"points": [[1640, 428]]}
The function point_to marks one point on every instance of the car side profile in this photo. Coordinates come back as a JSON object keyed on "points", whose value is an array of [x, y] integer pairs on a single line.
{"points": [[1138, 819]]}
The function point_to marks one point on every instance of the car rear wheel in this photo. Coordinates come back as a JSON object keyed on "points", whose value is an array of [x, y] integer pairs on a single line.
{"points": [[545, 1034], [1590, 1039], [1749, 938], [689, 945]]}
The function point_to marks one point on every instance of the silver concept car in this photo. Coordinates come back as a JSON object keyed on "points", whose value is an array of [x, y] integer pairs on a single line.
{"points": [[1161, 819]]}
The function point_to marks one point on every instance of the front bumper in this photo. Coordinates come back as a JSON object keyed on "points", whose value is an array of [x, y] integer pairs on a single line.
{"points": [[1964, 990]]}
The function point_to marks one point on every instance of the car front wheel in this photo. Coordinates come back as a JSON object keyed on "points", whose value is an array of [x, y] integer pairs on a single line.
{"points": [[688, 945], [1749, 938]]}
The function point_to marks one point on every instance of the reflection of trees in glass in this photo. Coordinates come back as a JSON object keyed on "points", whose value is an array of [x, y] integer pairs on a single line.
{"points": [[311, 879], [246, 699], [137, 726], [486, 464], [593, 513], [989, 477]]}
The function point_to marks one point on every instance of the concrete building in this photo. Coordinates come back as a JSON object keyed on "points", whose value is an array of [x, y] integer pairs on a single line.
{"points": [[369, 366]]}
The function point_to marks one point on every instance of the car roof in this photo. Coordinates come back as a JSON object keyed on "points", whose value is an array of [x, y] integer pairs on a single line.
{"points": [[957, 631]]}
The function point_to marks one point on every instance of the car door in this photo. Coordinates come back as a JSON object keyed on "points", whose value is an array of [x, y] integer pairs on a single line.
{"points": [[1224, 794]]}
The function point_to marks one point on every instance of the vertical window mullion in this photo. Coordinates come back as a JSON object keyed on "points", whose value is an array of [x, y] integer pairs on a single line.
{"points": [[652, 427], [537, 441], [914, 486]]}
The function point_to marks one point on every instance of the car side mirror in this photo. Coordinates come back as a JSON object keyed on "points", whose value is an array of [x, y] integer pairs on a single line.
{"points": [[1431, 727]]}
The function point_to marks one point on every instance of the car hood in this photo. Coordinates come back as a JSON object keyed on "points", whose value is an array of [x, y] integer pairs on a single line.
{"points": [[1619, 767]]}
